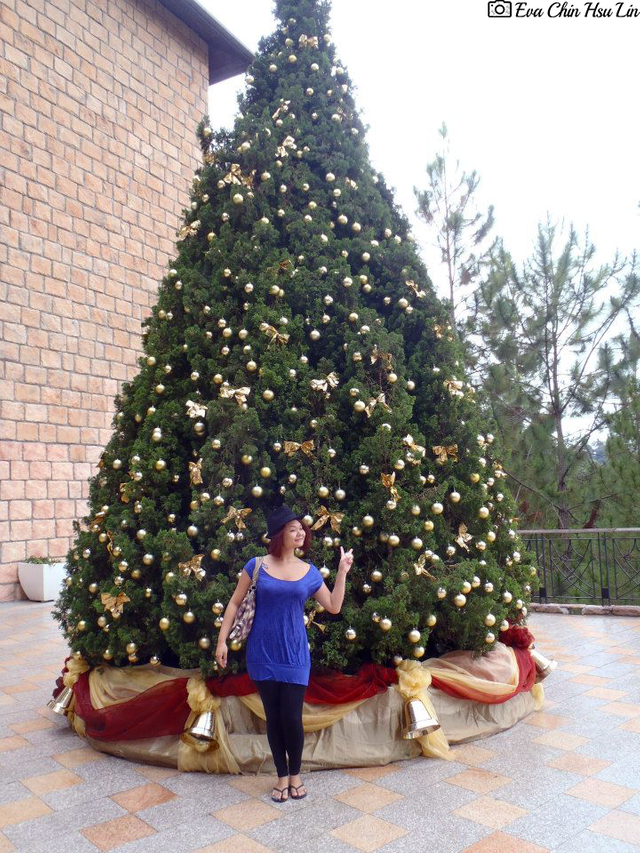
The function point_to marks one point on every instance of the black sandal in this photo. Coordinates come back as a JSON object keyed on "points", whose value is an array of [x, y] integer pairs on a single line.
{"points": [[281, 791], [293, 788]]}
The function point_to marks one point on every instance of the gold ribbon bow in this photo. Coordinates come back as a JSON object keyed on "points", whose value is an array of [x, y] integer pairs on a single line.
{"points": [[237, 515], [413, 286], [388, 481], [114, 603], [418, 448], [290, 447], [463, 537], [240, 394], [454, 387], [385, 356], [234, 175], [283, 108], [308, 41], [287, 142], [419, 567], [331, 381], [109, 542], [195, 472], [195, 410], [311, 621], [189, 230], [444, 452], [278, 337], [334, 519], [126, 491], [373, 402], [281, 267], [193, 565]]}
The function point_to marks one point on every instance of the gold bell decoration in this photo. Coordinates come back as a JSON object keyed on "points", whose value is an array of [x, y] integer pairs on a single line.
{"points": [[201, 734], [544, 666], [60, 704], [417, 720]]}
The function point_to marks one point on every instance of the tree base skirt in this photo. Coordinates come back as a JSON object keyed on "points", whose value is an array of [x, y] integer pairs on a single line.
{"points": [[368, 735]]}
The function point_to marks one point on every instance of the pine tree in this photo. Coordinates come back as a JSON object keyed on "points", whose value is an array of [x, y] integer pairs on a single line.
{"points": [[297, 353]]}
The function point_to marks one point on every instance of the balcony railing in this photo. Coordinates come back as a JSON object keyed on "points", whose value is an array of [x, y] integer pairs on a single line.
{"points": [[598, 566]]}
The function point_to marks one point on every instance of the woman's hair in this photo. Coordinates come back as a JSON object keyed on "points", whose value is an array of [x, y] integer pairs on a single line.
{"points": [[276, 542]]}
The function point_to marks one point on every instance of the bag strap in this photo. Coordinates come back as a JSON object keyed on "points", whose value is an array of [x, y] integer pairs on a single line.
{"points": [[254, 578]]}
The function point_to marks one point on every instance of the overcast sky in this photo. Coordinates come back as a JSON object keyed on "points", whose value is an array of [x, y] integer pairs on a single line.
{"points": [[544, 109]]}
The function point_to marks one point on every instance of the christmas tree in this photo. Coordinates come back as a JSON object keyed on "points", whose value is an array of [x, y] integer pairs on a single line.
{"points": [[297, 353]]}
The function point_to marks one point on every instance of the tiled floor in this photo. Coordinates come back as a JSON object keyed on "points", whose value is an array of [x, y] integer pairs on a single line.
{"points": [[566, 779]]}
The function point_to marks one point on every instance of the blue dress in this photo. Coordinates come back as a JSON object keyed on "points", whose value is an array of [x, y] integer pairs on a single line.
{"points": [[277, 646]]}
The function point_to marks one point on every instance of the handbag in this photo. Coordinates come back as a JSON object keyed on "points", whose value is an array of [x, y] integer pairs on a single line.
{"points": [[246, 611]]}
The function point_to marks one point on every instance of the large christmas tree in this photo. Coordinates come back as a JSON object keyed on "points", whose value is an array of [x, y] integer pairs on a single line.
{"points": [[298, 354]]}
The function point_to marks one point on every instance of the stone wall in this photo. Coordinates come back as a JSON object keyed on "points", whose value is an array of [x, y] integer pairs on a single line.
{"points": [[99, 103]]}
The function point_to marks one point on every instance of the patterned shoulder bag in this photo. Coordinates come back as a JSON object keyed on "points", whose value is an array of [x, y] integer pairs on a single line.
{"points": [[247, 609]]}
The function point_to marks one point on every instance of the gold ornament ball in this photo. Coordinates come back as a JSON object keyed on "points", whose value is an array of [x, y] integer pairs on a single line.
{"points": [[454, 497], [82, 625], [235, 645], [102, 621], [192, 530], [375, 616], [394, 540], [519, 603], [107, 654], [164, 624], [268, 394], [385, 624], [323, 491], [265, 471], [154, 660], [504, 625], [131, 648], [363, 469], [416, 543], [147, 559], [148, 591], [475, 478], [475, 583], [460, 600], [437, 508], [431, 620], [359, 406], [414, 636], [397, 660], [507, 597], [490, 638], [350, 634], [181, 599], [366, 588], [418, 651], [93, 587], [489, 620], [491, 536], [428, 525], [376, 575], [465, 588], [483, 512], [204, 642], [189, 617], [441, 592], [217, 607], [367, 520], [488, 587], [238, 198]]}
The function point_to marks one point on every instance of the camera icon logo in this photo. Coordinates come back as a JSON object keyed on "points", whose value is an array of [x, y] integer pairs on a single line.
{"points": [[499, 9]]}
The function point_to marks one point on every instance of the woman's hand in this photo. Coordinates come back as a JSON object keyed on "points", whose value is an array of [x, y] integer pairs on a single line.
{"points": [[221, 654], [346, 559]]}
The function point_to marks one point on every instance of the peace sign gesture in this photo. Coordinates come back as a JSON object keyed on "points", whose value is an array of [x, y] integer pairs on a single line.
{"points": [[346, 559]]}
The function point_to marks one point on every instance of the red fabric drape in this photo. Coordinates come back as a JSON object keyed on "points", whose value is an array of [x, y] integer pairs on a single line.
{"points": [[163, 709], [526, 679]]}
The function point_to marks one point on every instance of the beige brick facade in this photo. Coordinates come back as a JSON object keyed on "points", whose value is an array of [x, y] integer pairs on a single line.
{"points": [[99, 104]]}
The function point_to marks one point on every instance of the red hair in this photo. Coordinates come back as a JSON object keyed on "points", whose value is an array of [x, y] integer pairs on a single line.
{"points": [[276, 543]]}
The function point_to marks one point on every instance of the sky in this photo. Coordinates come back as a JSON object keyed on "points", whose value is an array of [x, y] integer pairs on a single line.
{"points": [[544, 108]]}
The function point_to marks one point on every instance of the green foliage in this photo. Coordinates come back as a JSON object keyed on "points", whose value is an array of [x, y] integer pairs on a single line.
{"points": [[308, 287], [544, 345]]}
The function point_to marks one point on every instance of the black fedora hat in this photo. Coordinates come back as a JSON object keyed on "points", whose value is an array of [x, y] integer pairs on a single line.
{"points": [[277, 519]]}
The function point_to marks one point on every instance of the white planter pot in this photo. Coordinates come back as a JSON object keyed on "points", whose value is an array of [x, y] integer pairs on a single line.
{"points": [[41, 581]]}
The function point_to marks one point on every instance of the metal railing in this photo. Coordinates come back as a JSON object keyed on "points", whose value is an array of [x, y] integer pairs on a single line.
{"points": [[593, 566]]}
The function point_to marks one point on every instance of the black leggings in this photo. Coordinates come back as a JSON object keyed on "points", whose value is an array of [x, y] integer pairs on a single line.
{"points": [[283, 708]]}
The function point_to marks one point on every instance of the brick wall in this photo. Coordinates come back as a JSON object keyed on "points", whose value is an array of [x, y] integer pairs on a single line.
{"points": [[99, 103]]}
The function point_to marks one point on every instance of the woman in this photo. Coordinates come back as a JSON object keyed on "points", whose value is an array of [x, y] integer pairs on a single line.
{"points": [[278, 659]]}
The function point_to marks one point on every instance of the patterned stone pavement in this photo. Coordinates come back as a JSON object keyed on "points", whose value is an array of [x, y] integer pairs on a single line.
{"points": [[566, 779]]}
